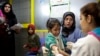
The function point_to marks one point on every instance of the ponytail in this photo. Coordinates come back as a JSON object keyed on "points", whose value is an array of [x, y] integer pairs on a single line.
{"points": [[99, 9]]}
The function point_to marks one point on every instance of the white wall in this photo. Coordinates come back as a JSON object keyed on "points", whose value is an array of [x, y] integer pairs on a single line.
{"points": [[75, 6]]}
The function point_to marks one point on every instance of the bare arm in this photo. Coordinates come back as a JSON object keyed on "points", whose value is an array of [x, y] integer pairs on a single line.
{"points": [[64, 53], [58, 51]]}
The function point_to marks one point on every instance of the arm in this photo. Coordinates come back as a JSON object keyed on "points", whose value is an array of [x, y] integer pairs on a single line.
{"points": [[50, 43], [80, 48], [57, 51], [64, 53], [38, 41], [15, 22]]}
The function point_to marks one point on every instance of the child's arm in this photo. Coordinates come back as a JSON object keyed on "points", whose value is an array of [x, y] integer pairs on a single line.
{"points": [[57, 51], [62, 52]]}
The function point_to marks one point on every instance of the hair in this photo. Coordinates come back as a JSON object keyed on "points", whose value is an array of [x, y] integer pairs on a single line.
{"points": [[9, 15], [92, 9], [72, 28], [32, 27], [51, 22]]}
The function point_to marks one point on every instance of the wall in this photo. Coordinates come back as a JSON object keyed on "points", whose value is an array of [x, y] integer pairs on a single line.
{"points": [[22, 10], [75, 6]]}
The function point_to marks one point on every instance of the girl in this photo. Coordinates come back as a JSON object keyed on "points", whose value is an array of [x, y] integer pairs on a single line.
{"points": [[33, 44], [53, 41], [90, 23]]}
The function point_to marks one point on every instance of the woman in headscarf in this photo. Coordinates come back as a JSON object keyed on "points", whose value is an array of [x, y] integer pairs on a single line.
{"points": [[7, 37], [70, 33]]}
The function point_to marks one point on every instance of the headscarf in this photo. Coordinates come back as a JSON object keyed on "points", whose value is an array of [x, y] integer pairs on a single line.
{"points": [[66, 31], [9, 15], [32, 27]]}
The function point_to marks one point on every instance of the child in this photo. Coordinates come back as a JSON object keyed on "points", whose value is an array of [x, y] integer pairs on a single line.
{"points": [[53, 41], [33, 44]]}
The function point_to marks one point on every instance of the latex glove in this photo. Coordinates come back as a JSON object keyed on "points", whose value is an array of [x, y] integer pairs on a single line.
{"points": [[44, 49], [70, 45], [58, 55]]}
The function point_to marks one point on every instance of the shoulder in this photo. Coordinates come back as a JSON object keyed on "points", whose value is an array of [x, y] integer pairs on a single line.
{"points": [[36, 36], [77, 30], [85, 40], [84, 45], [50, 37]]}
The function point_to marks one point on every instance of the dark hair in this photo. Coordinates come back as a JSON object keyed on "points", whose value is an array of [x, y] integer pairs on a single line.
{"points": [[51, 22], [72, 28], [92, 9], [9, 15]]}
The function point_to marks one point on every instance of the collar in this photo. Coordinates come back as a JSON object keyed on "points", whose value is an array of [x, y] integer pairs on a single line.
{"points": [[96, 32]]}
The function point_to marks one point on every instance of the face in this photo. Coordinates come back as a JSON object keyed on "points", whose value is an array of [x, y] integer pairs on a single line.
{"points": [[83, 23], [68, 21], [30, 31], [55, 30], [7, 8]]}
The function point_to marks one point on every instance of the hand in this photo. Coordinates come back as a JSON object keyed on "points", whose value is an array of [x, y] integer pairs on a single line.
{"points": [[70, 45], [25, 46], [17, 31]]}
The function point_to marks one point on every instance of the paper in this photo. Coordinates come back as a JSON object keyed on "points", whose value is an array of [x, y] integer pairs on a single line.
{"points": [[58, 11], [17, 26], [2, 20]]}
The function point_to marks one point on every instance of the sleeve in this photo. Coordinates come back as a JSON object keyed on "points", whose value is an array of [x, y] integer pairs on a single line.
{"points": [[1, 14], [80, 49], [38, 41], [15, 20], [50, 41]]}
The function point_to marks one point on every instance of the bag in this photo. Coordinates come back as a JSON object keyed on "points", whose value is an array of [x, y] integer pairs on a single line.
{"points": [[34, 49]]}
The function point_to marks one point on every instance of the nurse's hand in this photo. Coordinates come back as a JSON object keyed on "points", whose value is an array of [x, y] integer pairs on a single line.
{"points": [[70, 45]]}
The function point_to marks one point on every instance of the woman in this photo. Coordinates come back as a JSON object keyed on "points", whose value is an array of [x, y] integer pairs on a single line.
{"points": [[7, 38], [70, 33], [90, 23]]}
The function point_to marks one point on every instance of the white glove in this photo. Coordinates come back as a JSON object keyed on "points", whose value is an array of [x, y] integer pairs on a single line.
{"points": [[70, 45], [58, 55]]}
